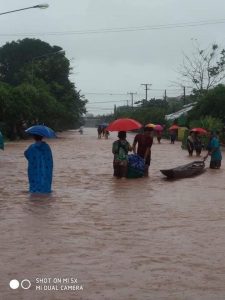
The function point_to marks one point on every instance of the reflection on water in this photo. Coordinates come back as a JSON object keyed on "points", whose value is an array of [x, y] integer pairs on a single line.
{"points": [[145, 238]]}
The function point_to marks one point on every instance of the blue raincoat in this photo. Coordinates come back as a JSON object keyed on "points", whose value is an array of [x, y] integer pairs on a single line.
{"points": [[40, 166], [215, 146]]}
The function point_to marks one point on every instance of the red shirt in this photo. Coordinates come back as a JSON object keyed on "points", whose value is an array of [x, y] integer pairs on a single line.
{"points": [[144, 141]]}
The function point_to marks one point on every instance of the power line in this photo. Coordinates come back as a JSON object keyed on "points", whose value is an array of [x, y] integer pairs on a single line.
{"points": [[103, 108], [105, 93], [109, 102], [124, 94], [122, 29]]}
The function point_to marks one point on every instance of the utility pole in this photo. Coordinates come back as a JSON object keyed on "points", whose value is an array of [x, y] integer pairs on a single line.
{"points": [[184, 95], [114, 109], [165, 96], [146, 89], [132, 98]]}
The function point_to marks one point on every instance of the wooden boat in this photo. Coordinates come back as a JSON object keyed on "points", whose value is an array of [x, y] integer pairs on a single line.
{"points": [[188, 170]]}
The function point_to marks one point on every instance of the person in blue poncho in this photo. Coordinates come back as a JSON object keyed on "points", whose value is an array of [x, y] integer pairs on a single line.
{"points": [[40, 166]]}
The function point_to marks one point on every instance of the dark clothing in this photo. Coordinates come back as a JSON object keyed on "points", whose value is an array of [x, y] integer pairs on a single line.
{"points": [[143, 141], [198, 145], [215, 164], [159, 136], [173, 136], [120, 168], [190, 145], [99, 132]]}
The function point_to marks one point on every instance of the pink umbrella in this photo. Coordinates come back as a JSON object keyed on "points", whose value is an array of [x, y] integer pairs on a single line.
{"points": [[158, 128]]}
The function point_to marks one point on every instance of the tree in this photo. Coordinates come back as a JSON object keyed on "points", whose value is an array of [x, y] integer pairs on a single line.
{"points": [[208, 123], [35, 87], [204, 69], [14, 56], [211, 104], [152, 111]]}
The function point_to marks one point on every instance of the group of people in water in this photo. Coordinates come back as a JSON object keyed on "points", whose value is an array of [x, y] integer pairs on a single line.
{"points": [[142, 147], [194, 143], [40, 161], [102, 132]]}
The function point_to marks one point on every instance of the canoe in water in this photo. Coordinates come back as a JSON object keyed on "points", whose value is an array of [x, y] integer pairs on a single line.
{"points": [[188, 170]]}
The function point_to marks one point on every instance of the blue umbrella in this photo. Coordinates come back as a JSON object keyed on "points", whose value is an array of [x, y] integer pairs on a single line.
{"points": [[41, 130], [1, 141]]}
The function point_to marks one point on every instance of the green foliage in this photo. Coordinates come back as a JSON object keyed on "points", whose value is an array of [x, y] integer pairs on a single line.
{"points": [[209, 123], [184, 140], [152, 111], [15, 55], [35, 88], [211, 103]]}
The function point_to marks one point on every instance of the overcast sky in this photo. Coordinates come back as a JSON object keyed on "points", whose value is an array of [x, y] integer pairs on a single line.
{"points": [[108, 65]]}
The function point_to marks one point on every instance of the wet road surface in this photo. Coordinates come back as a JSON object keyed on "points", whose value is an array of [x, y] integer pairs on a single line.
{"points": [[136, 239]]}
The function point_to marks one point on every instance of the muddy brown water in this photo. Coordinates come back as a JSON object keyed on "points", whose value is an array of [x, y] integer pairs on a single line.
{"points": [[137, 239]]}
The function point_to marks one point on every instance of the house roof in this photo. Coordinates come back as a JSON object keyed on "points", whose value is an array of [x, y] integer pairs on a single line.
{"points": [[186, 108]]}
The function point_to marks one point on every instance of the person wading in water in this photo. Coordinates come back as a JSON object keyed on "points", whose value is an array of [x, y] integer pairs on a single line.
{"points": [[144, 142]]}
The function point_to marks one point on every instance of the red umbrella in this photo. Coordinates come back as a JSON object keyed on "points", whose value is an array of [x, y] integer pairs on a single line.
{"points": [[199, 130], [124, 125], [174, 127]]}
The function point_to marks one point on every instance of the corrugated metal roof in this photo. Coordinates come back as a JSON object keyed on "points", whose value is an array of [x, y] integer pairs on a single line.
{"points": [[181, 112]]}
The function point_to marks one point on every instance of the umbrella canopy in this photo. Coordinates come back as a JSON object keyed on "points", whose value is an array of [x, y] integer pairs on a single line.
{"points": [[1, 141], [124, 125], [41, 130], [150, 125], [199, 130], [174, 127], [158, 127]]}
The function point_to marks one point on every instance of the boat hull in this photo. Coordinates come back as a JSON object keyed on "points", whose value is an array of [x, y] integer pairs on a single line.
{"points": [[188, 170]]}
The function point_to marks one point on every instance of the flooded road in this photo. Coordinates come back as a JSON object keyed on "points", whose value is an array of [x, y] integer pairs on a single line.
{"points": [[136, 239]]}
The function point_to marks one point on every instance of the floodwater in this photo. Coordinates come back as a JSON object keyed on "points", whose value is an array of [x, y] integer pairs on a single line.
{"points": [[129, 239]]}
